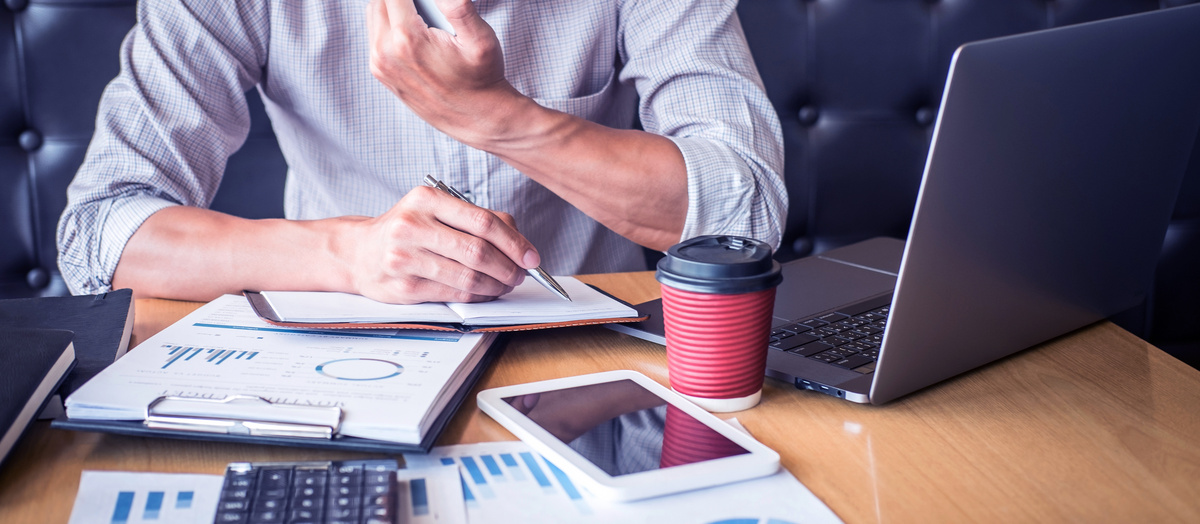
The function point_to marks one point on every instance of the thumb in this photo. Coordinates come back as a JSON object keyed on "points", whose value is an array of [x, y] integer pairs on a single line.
{"points": [[465, 19]]}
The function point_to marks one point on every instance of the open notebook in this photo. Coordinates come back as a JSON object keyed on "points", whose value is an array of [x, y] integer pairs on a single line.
{"points": [[529, 306]]}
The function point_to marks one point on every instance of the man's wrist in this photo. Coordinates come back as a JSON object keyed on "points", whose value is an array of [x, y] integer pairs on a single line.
{"points": [[342, 242], [514, 122]]}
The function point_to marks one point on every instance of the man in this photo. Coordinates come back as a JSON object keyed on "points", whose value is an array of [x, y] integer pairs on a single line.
{"points": [[531, 113]]}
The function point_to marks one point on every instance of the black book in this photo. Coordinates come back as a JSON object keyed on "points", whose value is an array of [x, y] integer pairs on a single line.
{"points": [[102, 324], [33, 362]]}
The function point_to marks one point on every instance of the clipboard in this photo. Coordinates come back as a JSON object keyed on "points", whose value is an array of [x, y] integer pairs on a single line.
{"points": [[170, 423], [262, 308]]}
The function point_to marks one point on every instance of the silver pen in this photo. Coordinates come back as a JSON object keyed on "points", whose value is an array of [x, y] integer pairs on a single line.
{"points": [[537, 273]]}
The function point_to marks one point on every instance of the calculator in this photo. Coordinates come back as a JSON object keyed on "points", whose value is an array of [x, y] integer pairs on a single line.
{"points": [[330, 492]]}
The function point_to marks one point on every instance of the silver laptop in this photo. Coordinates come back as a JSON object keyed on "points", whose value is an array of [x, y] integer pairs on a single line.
{"points": [[1053, 171]]}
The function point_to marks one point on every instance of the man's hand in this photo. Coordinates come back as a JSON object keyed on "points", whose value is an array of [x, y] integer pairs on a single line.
{"points": [[455, 83], [432, 247]]}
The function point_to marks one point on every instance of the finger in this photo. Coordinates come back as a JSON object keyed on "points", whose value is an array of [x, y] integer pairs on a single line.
{"points": [[508, 219], [402, 15], [484, 224], [377, 21], [464, 18], [469, 258]]}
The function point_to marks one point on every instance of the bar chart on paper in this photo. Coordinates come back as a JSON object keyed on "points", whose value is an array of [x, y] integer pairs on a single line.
{"points": [[115, 497], [211, 356], [506, 482]]}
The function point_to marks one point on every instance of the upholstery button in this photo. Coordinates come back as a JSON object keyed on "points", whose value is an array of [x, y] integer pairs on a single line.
{"points": [[30, 140], [925, 115], [16, 5], [37, 278], [808, 115]]}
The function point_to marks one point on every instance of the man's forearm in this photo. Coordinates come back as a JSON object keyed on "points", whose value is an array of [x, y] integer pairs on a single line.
{"points": [[189, 253], [633, 182]]}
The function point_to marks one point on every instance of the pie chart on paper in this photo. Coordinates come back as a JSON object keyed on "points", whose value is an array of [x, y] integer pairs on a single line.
{"points": [[360, 369]]}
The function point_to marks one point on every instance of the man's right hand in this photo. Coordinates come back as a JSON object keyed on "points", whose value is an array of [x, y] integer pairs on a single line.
{"points": [[433, 247]]}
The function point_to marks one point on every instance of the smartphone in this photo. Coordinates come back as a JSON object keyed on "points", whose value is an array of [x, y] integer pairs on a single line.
{"points": [[433, 16], [622, 436]]}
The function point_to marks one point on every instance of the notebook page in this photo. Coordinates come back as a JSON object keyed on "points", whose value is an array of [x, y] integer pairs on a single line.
{"points": [[532, 303], [320, 306]]}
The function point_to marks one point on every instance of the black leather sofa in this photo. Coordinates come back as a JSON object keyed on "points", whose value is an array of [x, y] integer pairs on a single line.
{"points": [[856, 83]]}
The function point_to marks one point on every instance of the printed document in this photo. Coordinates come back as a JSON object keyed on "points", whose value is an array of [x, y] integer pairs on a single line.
{"points": [[105, 497], [505, 482], [389, 384]]}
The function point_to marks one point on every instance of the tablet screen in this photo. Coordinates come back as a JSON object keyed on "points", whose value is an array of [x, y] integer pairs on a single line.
{"points": [[624, 428]]}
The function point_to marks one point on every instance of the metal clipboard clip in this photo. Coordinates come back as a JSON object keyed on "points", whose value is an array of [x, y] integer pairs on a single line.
{"points": [[243, 415]]}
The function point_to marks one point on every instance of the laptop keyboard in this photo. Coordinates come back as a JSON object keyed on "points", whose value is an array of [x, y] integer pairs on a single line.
{"points": [[849, 337]]}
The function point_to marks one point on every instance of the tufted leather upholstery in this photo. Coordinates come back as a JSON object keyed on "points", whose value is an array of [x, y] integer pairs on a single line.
{"points": [[56, 56], [856, 83]]}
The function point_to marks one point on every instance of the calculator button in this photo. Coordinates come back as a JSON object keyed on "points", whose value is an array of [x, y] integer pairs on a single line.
{"points": [[266, 517], [307, 502], [308, 491], [310, 478], [235, 494], [264, 504], [372, 479], [231, 517], [242, 481], [348, 469], [304, 514], [233, 505], [342, 513], [347, 480], [346, 491]]}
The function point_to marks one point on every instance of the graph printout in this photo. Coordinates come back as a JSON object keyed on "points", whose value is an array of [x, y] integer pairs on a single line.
{"points": [[505, 482], [389, 383], [430, 496], [119, 497]]}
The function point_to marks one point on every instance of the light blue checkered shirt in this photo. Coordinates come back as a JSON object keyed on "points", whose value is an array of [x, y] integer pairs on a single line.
{"points": [[176, 111]]}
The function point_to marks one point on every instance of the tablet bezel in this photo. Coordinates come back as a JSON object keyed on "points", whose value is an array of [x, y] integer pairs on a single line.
{"points": [[758, 462]]}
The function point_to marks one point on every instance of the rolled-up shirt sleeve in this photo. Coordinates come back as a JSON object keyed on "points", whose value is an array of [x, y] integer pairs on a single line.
{"points": [[699, 87], [165, 128]]}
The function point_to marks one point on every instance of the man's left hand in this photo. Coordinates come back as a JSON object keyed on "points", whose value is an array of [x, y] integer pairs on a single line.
{"points": [[455, 83]]}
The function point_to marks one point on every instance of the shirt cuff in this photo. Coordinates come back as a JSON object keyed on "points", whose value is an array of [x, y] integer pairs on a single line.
{"points": [[724, 197], [122, 219]]}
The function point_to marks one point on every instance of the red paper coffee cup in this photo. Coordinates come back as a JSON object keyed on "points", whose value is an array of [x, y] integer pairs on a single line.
{"points": [[718, 295]]}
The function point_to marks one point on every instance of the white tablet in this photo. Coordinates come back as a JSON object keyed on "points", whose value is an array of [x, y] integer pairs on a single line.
{"points": [[623, 436]]}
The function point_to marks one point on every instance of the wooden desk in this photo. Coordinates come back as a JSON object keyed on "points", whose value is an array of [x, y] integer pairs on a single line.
{"points": [[1096, 426]]}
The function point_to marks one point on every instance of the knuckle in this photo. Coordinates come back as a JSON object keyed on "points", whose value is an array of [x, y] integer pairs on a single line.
{"points": [[474, 251], [482, 220], [470, 281], [394, 262]]}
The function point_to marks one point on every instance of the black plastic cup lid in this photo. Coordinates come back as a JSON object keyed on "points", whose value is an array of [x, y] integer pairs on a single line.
{"points": [[720, 264]]}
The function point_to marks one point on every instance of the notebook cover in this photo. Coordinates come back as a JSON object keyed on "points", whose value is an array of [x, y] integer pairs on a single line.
{"points": [[267, 314], [137, 429], [101, 323], [33, 362]]}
